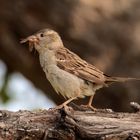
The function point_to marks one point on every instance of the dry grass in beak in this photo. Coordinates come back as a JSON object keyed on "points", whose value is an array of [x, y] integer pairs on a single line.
{"points": [[32, 40]]}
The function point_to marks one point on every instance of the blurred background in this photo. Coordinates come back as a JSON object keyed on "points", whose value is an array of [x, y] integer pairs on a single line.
{"points": [[105, 33]]}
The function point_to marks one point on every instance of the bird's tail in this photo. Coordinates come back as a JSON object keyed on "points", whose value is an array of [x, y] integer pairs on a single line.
{"points": [[110, 79]]}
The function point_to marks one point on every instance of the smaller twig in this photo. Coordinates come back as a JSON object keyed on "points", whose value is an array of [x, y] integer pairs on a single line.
{"points": [[135, 106]]}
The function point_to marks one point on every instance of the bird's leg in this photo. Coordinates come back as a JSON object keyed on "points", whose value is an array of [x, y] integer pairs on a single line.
{"points": [[89, 105], [65, 103], [90, 101]]}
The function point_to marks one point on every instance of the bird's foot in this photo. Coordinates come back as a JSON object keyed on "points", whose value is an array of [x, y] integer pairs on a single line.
{"points": [[61, 106], [65, 103], [90, 107], [85, 107]]}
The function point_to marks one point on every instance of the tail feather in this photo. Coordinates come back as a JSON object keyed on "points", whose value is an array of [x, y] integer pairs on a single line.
{"points": [[110, 79]]}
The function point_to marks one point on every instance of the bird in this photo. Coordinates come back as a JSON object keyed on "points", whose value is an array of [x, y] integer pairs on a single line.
{"points": [[69, 75]]}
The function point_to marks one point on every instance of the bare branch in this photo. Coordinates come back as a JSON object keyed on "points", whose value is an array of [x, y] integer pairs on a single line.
{"points": [[69, 124]]}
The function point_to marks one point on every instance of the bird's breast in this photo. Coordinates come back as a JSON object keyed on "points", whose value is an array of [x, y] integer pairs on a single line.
{"points": [[47, 57], [65, 83]]}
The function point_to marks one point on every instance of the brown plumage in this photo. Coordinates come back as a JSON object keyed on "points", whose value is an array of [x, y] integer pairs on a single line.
{"points": [[69, 75], [72, 63]]}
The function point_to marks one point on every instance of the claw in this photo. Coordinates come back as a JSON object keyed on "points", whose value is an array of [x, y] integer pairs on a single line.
{"points": [[90, 107]]}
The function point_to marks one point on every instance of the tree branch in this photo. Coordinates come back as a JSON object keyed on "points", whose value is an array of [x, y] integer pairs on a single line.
{"points": [[69, 124]]}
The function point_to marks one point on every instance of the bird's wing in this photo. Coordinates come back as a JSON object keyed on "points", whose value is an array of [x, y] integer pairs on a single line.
{"points": [[73, 64]]}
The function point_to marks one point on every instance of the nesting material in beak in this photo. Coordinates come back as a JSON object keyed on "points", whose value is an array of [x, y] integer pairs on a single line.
{"points": [[33, 40]]}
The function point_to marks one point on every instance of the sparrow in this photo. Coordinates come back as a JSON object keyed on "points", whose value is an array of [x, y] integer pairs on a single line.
{"points": [[69, 75]]}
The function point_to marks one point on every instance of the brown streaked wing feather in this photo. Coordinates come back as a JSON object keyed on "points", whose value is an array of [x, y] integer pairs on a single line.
{"points": [[72, 63]]}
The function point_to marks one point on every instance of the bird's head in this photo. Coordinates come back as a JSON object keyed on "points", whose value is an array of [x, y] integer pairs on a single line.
{"points": [[44, 39]]}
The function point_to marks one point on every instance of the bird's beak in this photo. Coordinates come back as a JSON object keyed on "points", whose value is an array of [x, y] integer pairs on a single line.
{"points": [[33, 40]]}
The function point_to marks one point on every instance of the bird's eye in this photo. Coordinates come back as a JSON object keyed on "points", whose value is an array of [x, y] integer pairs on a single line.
{"points": [[42, 35]]}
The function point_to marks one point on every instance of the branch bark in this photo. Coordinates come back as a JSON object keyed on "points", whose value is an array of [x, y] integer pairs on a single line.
{"points": [[69, 124]]}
